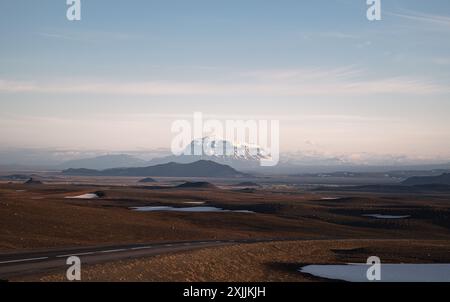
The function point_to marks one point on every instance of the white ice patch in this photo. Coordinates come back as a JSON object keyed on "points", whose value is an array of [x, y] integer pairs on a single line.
{"points": [[379, 216], [389, 272], [189, 209], [84, 196]]}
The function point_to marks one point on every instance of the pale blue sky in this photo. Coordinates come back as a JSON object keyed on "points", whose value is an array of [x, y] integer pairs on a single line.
{"points": [[117, 78]]}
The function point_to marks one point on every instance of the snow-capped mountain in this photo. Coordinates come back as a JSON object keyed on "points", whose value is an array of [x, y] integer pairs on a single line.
{"points": [[243, 157], [219, 148]]}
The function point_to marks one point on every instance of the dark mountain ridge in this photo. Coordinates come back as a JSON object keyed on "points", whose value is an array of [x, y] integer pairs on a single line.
{"points": [[443, 179], [201, 168]]}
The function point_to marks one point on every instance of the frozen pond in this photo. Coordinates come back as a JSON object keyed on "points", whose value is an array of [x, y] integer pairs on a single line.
{"points": [[187, 209], [84, 196], [389, 272], [379, 216]]}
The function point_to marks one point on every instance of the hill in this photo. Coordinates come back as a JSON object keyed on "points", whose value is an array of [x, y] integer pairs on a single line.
{"points": [[443, 179], [32, 181], [201, 168], [147, 180], [197, 185], [416, 189], [104, 162]]}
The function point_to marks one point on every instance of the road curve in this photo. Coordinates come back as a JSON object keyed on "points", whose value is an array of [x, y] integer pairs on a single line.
{"points": [[36, 262]]}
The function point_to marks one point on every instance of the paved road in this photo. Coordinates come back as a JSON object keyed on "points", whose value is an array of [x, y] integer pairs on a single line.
{"points": [[29, 263]]}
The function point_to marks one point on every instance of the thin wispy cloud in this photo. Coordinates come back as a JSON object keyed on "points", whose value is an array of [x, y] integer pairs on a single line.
{"points": [[441, 61], [433, 19], [330, 86], [339, 35], [301, 75], [57, 36], [90, 36]]}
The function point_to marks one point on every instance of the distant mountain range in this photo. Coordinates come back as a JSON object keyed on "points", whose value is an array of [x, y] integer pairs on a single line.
{"points": [[443, 179], [240, 157], [416, 184], [201, 168], [104, 162], [247, 158], [244, 158], [416, 189]]}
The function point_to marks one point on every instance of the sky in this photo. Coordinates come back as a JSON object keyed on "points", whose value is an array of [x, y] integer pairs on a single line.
{"points": [[117, 79]]}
